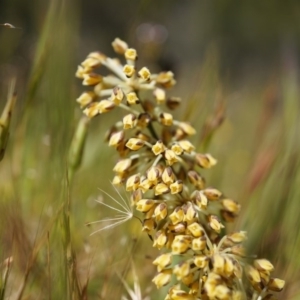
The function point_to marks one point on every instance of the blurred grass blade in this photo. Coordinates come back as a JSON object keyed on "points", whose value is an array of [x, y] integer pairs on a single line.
{"points": [[73, 284], [6, 117], [77, 146], [212, 124], [42, 52], [7, 266]]}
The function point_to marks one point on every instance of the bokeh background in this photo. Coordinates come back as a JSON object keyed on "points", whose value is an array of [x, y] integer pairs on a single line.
{"points": [[237, 69]]}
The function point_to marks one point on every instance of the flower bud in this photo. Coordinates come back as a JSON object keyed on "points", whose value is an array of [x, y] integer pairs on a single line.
{"points": [[215, 224], [117, 95], [187, 146], [177, 215], [118, 179], [116, 139], [161, 188], [196, 229], [200, 199], [201, 261], [143, 120], [92, 110], [131, 54], [177, 149], [237, 237], [160, 212], [148, 225], [128, 71], [166, 119], [136, 196], [153, 175], [212, 194], [91, 79], [173, 102], [119, 46], [144, 74], [168, 176], [160, 95], [86, 98], [276, 284], [187, 128], [181, 270], [132, 98], [105, 106], [162, 278], [132, 183], [145, 185], [176, 187], [163, 261], [199, 244], [145, 205], [90, 63], [196, 180], [171, 157], [205, 161], [81, 71], [160, 239], [263, 265], [253, 275], [165, 79], [231, 206], [129, 121], [135, 144], [181, 244], [158, 148], [190, 213], [122, 165]]}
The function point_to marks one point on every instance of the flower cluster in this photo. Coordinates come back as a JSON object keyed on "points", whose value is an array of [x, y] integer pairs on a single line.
{"points": [[160, 168]]}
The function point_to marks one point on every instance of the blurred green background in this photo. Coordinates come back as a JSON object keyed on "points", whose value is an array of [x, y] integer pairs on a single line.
{"points": [[237, 69]]}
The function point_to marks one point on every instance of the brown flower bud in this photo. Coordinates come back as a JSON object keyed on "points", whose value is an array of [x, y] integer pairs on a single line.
{"points": [[117, 95], [212, 194], [145, 205], [166, 119], [173, 102], [168, 176], [276, 284], [135, 144], [116, 139], [215, 224], [160, 212], [166, 79], [132, 183], [196, 180], [129, 121], [205, 161]]}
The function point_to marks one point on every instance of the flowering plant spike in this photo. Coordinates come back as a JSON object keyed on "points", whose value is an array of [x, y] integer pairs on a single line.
{"points": [[160, 168]]}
